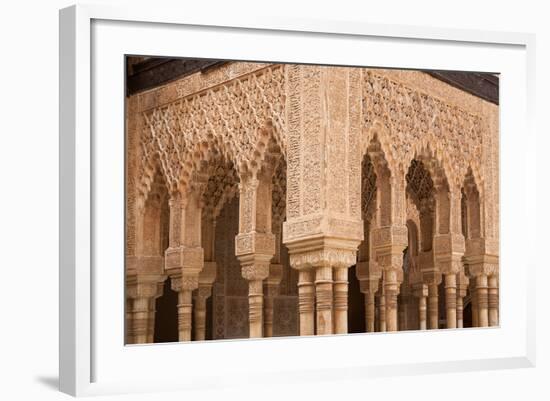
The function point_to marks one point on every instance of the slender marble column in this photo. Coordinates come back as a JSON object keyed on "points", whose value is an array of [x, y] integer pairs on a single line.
{"points": [[306, 302], [268, 311], [382, 312], [151, 321], [255, 307], [450, 300], [185, 306], [459, 312], [474, 305], [482, 301], [202, 294], [271, 290], [340, 300], [493, 300], [461, 288], [422, 312], [433, 311], [391, 290], [369, 311], [324, 295]]}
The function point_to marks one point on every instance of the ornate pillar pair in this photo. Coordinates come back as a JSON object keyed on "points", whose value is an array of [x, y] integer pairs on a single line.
{"points": [[255, 243], [390, 238], [323, 209], [427, 290], [207, 276], [184, 258], [273, 281], [369, 275], [449, 246]]}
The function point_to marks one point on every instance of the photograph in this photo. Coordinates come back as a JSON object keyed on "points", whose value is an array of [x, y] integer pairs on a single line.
{"points": [[267, 199]]}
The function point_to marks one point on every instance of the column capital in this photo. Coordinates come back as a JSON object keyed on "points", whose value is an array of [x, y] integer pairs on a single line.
{"points": [[254, 269], [448, 252], [420, 290], [203, 291], [484, 267], [185, 282], [144, 265], [481, 257], [275, 274], [388, 245], [368, 270], [144, 285], [462, 283], [207, 276], [184, 260], [254, 243]]}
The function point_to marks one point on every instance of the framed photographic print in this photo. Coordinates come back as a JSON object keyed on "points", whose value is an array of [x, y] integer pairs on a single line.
{"points": [[289, 197]]}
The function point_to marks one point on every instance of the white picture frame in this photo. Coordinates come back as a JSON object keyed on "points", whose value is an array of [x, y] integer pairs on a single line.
{"points": [[91, 362]]}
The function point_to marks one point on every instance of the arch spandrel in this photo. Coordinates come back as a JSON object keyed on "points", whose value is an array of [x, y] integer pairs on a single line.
{"points": [[413, 120], [236, 119]]}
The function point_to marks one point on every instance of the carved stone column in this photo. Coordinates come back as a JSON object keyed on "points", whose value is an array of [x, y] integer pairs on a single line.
{"points": [[323, 226], [184, 286], [306, 302], [392, 282], [482, 300], [369, 274], [381, 309], [184, 258], [324, 296], [420, 291], [271, 290], [461, 289], [255, 243], [431, 278], [450, 300], [492, 283], [390, 238], [206, 279], [449, 245], [473, 301], [433, 306], [340, 275]]}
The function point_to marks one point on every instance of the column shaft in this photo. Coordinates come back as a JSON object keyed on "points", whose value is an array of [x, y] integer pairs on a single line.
{"points": [[474, 305], [140, 320], [255, 308], [459, 311], [369, 311], [422, 312], [324, 305], [306, 302], [200, 318], [269, 306], [340, 300], [493, 300], [185, 306], [482, 301], [382, 313], [450, 300], [391, 289], [151, 321], [433, 311]]}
